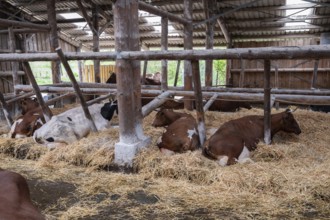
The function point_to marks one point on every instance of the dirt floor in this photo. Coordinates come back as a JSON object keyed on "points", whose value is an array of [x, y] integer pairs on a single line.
{"points": [[288, 180]]}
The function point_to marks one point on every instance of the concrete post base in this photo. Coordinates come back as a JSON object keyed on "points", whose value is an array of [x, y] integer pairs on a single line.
{"points": [[125, 153]]}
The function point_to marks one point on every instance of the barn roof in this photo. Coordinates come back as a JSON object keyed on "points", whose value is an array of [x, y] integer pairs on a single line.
{"points": [[243, 20]]}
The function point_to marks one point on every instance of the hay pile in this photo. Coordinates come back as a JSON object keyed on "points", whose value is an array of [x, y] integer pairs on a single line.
{"points": [[289, 179]]}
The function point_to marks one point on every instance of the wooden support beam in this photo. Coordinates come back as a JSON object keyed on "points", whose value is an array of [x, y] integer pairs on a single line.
{"points": [[155, 103], [210, 102], [144, 74], [242, 73], [96, 42], [276, 76], [314, 77], [47, 113], [272, 53], [177, 73], [101, 98], [199, 102], [225, 32], [188, 45], [6, 111], [209, 9], [85, 15], [267, 103], [164, 47], [12, 23], [54, 42], [76, 88], [19, 97], [153, 10], [14, 65]]}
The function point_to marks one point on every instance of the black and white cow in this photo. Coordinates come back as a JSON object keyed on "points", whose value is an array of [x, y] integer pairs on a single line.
{"points": [[72, 125]]}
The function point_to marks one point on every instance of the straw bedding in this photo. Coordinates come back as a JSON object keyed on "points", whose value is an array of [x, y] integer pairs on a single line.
{"points": [[289, 179]]}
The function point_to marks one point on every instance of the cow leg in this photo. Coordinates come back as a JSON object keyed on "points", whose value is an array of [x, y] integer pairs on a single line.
{"points": [[223, 160], [166, 151]]}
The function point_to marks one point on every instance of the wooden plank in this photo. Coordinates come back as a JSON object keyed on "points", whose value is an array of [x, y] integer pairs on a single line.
{"points": [[267, 103], [177, 73], [164, 47], [314, 77], [155, 103]]}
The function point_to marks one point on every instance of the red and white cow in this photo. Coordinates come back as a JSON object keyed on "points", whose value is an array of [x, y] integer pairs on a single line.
{"points": [[235, 139], [25, 125], [15, 201], [181, 132], [72, 125], [27, 104]]}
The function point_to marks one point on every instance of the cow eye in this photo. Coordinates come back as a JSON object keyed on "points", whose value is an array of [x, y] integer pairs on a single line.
{"points": [[50, 139], [70, 119]]}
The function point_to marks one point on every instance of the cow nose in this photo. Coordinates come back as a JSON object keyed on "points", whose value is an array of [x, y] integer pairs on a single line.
{"points": [[38, 140], [50, 139]]}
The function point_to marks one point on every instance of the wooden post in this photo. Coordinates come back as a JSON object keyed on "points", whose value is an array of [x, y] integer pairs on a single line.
{"points": [[209, 9], [12, 48], [155, 103], [199, 101], [177, 73], [314, 78], [80, 64], [188, 45], [164, 47], [145, 67], [267, 104], [54, 43], [96, 42], [76, 87], [126, 25], [6, 111], [242, 73], [276, 76], [210, 101], [47, 113]]}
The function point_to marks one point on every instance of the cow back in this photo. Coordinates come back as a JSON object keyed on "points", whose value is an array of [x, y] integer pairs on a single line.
{"points": [[165, 117]]}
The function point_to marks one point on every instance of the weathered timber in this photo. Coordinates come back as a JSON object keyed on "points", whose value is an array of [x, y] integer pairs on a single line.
{"points": [[53, 100], [12, 23], [241, 74], [188, 45], [19, 97], [6, 111], [280, 53], [177, 73], [164, 47], [10, 73], [96, 42], [12, 48], [283, 70], [76, 88], [153, 10], [199, 101], [46, 112], [314, 77], [155, 103], [210, 102], [24, 31], [267, 105]]}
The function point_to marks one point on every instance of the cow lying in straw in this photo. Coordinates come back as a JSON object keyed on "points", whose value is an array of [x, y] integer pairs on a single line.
{"points": [[72, 125], [181, 134], [235, 139], [15, 202]]}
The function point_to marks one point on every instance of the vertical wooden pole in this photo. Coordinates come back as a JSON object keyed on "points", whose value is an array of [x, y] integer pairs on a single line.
{"points": [[177, 73], [54, 42], [127, 38], [6, 110], [144, 74], [198, 101], [267, 104], [164, 47], [96, 42], [276, 76], [209, 8], [80, 65], [188, 45], [76, 88], [242, 73], [14, 65], [314, 78]]}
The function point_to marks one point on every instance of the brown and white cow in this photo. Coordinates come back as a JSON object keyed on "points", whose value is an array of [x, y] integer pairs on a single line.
{"points": [[15, 201], [181, 132], [72, 125], [235, 139], [27, 104], [25, 125]]}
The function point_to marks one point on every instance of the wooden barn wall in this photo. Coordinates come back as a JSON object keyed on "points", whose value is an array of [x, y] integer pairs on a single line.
{"points": [[105, 72], [38, 42], [293, 79]]}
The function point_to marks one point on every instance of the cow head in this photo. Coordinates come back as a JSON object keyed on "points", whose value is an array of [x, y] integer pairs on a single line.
{"points": [[58, 131], [28, 104], [26, 125], [289, 122], [161, 118], [109, 109]]}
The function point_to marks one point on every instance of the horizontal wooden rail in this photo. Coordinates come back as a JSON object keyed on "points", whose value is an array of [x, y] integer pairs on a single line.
{"points": [[294, 70], [311, 52]]}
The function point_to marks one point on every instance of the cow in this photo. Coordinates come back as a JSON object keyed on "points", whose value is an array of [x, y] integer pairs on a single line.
{"points": [[15, 201], [235, 139], [72, 125], [27, 124], [181, 132], [320, 108], [27, 104], [228, 106]]}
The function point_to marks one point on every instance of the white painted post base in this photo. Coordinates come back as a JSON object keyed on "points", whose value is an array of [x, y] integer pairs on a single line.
{"points": [[125, 153]]}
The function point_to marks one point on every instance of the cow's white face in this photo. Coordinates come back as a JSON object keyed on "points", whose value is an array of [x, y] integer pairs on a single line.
{"points": [[58, 131]]}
